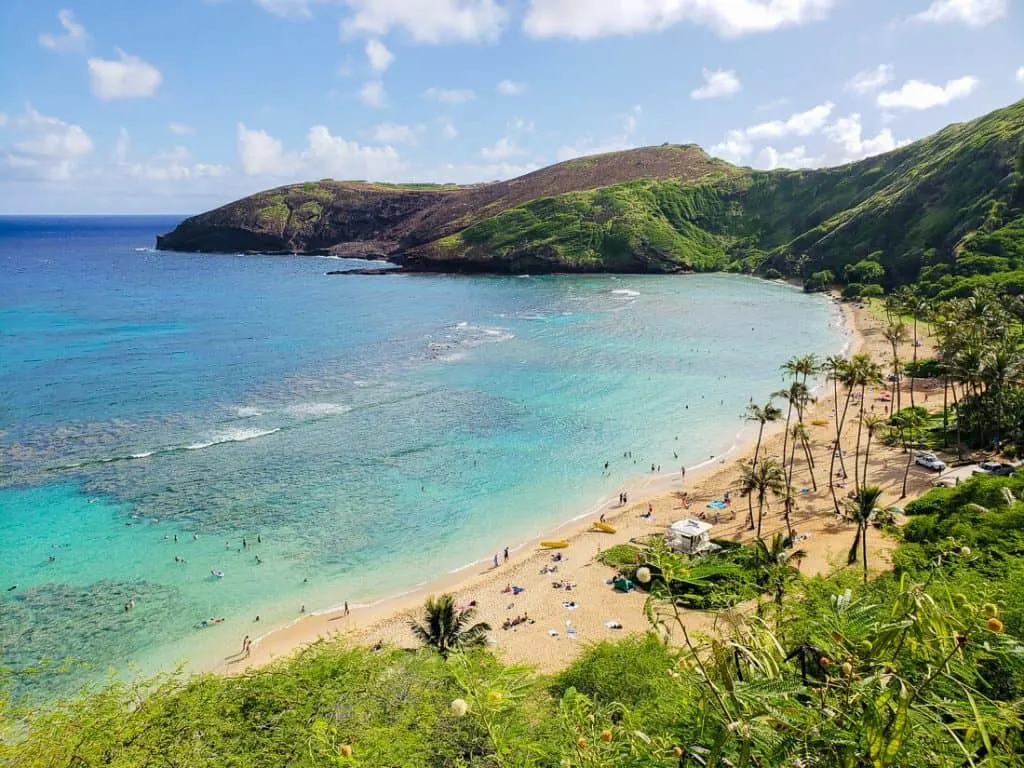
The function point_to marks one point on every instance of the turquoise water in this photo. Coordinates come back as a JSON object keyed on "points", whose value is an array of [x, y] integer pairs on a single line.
{"points": [[373, 432]]}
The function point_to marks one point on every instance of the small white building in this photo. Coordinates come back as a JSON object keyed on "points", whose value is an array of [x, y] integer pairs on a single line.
{"points": [[690, 537]]}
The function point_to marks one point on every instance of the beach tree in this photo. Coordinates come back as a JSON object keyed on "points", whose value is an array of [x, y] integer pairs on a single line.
{"points": [[764, 479], [896, 334], [772, 563], [446, 628], [872, 423], [908, 423], [862, 511], [838, 369], [913, 302], [864, 373], [762, 414]]}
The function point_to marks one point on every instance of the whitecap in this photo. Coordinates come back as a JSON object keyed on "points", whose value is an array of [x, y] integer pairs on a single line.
{"points": [[317, 409], [234, 436], [625, 292]]}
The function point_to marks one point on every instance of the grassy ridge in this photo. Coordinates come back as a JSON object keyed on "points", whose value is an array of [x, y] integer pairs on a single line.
{"points": [[925, 211]]}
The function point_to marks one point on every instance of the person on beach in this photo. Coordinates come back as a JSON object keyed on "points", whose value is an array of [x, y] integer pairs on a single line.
{"points": [[346, 607], [245, 644], [601, 518], [506, 554], [682, 473], [495, 561]]}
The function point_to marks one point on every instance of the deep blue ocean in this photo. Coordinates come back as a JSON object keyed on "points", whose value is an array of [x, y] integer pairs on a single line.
{"points": [[363, 434]]}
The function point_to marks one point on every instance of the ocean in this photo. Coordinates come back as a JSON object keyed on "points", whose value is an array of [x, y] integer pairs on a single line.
{"points": [[226, 436]]}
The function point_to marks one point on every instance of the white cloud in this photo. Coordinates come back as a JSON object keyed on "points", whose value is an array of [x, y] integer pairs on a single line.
{"points": [[73, 39], [770, 158], [427, 21], [379, 56], [738, 145], [798, 124], [449, 95], [628, 122], [181, 129], [1020, 75], [502, 149], [372, 93], [448, 129], [846, 134], [128, 77], [51, 149], [260, 154], [734, 149], [288, 9], [519, 125], [973, 13], [470, 173], [870, 79], [585, 19], [511, 87], [170, 165], [919, 95], [718, 83], [392, 133]]}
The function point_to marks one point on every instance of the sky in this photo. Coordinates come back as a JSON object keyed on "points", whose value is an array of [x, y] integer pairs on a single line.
{"points": [[110, 106]]}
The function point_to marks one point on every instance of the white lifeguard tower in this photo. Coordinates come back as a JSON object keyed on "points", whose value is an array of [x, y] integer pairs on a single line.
{"points": [[690, 537]]}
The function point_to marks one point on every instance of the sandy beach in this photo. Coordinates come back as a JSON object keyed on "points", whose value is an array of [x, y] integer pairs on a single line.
{"points": [[544, 642]]}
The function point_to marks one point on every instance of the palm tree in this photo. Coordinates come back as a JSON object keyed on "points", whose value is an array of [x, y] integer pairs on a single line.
{"points": [[909, 422], [773, 566], [913, 302], [873, 423], [862, 511], [446, 628], [767, 477], [762, 415], [839, 370], [895, 334], [864, 373]]}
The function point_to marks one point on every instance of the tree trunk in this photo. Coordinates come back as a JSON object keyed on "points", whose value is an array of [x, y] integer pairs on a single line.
{"points": [[750, 499], [760, 515], [864, 549], [860, 426], [867, 454], [810, 463], [906, 472], [915, 359], [945, 411]]}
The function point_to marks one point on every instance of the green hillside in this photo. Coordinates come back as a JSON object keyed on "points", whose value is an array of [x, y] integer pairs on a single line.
{"points": [[948, 209]]}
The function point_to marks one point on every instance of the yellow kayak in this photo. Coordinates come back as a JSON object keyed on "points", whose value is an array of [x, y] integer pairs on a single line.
{"points": [[554, 544], [604, 527]]}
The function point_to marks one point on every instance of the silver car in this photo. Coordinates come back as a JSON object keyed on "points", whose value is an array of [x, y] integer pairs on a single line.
{"points": [[931, 461]]}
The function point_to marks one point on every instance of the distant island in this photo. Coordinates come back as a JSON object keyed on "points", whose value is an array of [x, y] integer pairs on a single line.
{"points": [[944, 210]]}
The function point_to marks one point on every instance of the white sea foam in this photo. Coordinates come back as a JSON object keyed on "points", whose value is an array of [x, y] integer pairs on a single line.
{"points": [[247, 412], [317, 409], [625, 292], [143, 455], [233, 436]]}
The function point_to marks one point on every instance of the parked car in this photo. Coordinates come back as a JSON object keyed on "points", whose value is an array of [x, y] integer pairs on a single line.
{"points": [[997, 468], [930, 461]]}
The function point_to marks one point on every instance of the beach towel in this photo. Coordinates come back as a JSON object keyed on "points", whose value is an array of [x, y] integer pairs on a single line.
{"points": [[613, 624], [717, 505]]}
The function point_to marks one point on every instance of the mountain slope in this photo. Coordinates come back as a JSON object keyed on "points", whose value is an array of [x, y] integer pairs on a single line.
{"points": [[945, 208], [368, 218]]}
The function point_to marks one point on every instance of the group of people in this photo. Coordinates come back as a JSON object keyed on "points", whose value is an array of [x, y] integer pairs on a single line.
{"points": [[512, 623]]}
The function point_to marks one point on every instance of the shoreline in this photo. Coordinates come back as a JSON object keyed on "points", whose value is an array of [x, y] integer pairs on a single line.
{"points": [[384, 619]]}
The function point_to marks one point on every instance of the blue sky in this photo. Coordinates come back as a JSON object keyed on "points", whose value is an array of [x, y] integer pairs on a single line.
{"points": [[110, 106]]}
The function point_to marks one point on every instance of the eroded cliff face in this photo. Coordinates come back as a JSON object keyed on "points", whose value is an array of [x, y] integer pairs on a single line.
{"points": [[380, 220]]}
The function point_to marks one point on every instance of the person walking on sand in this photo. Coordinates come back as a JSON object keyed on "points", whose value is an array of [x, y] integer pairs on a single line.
{"points": [[245, 645], [495, 561], [346, 607], [682, 473], [506, 554]]}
